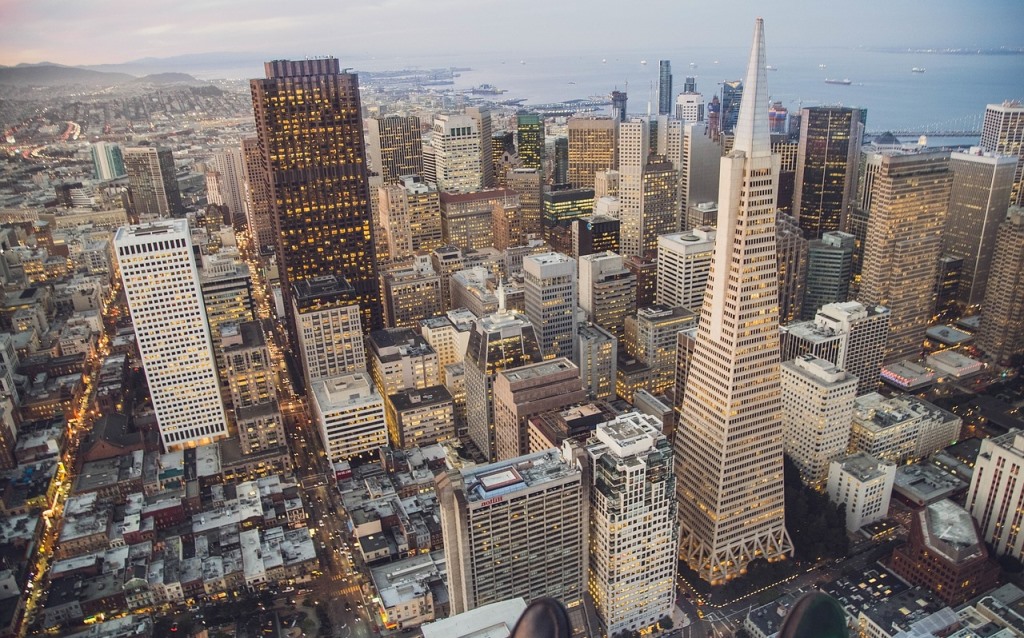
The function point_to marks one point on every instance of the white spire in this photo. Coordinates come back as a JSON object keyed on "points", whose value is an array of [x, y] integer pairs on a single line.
{"points": [[752, 136]]}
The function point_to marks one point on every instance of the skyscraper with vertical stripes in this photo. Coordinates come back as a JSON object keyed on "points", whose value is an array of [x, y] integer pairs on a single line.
{"points": [[729, 444]]}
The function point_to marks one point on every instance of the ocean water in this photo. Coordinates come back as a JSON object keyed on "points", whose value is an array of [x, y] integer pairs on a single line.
{"points": [[950, 95]]}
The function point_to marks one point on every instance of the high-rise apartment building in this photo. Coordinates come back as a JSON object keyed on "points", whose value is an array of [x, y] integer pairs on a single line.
{"points": [[551, 299], [904, 243], [500, 341], [457, 143], [161, 282], [1002, 319], [607, 291], [829, 271], [731, 496], [107, 160], [817, 401], [330, 340], [996, 496], [515, 528], [826, 167], [684, 265], [530, 140], [522, 392], [309, 126], [791, 255], [1002, 133], [592, 148], [977, 205], [153, 182], [634, 535], [394, 146], [665, 95], [410, 214], [260, 220]]}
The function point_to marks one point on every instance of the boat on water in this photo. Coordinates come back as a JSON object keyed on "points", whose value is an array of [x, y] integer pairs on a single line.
{"points": [[771, 68], [693, 65], [844, 81], [917, 69], [643, 62], [487, 89]]}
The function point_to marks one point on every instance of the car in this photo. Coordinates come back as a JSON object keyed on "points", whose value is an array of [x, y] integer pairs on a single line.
{"points": [[348, 606]]}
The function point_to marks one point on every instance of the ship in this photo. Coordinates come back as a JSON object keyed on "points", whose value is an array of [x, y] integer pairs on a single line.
{"points": [[917, 69], [844, 81], [771, 68], [486, 89]]}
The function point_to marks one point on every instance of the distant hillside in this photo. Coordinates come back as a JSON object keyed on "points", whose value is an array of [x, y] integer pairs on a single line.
{"points": [[168, 78], [54, 75]]}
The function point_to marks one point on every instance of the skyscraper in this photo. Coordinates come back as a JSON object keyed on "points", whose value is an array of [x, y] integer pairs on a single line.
{"points": [[592, 148], [551, 298], [231, 165], [394, 146], [731, 494], [107, 160], [530, 139], [311, 137], [648, 189], [732, 96], [525, 391], [458, 142], [684, 265], [826, 167], [607, 291], [1002, 319], [257, 192], [410, 213], [665, 95], [996, 496], [482, 117], [904, 243], [161, 282], [791, 257], [561, 163], [153, 182], [1003, 133], [619, 100], [829, 271], [977, 206]]}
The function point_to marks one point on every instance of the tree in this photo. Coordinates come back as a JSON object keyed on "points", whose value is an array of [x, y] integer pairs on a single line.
{"points": [[665, 623]]}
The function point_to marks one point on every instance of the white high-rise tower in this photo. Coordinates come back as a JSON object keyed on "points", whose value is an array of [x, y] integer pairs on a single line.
{"points": [[729, 444], [161, 281]]}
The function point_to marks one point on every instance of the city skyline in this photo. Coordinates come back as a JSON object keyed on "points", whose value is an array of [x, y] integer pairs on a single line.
{"points": [[37, 31]]}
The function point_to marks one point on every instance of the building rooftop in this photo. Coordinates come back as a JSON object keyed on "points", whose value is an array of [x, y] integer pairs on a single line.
{"points": [[345, 390], [924, 483], [485, 482], [876, 412], [538, 370], [822, 370], [948, 335], [495, 620], [950, 532], [863, 467], [420, 398]]}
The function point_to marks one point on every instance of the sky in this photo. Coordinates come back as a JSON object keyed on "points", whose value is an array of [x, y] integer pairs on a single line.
{"points": [[89, 32]]}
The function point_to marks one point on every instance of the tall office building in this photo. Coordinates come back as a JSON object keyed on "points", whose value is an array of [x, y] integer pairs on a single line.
{"points": [[311, 138], [457, 143], [528, 184], [161, 282], [619, 101], [153, 182], [598, 353], [633, 528], [607, 291], [648, 191], [684, 265], [595, 234], [482, 117], [732, 97], [791, 255], [394, 146], [829, 271], [253, 382], [410, 214], [515, 528], [817, 401], [977, 205], [665, 95], [860, 208], [260, 220], [1002, 319], [560, 174], [904, 243], [330, 329], [592, 148], [230, 164], [107, 160], [500, 341], [651, 338], [731, 496], [226, 287], [1002, 133], [866, 330], [349, 414], [690, 107], [698, 172], [530, 140], [551, 299], [826, 167], [996, 496], [412, 292], [523, 392]]}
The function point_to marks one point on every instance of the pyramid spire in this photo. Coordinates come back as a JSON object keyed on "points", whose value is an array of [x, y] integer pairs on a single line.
{"points": [[752, 135]]}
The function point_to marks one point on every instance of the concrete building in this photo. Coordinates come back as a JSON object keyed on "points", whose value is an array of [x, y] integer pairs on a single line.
{"points": [[634, 533], [487, 514], [903, 245], [467, 217], [257, 195], [161, 282], [522, 392], [495, 620], [230, 163], [829, 271], [996, 496], [864, 485], [551, 299], [330, 331], [731, 496], [410, 214], [528, 184], [598, 350], [412, 292], [400, 359], [457, 142], [253, 383], [978, 201], [1002, 133], [592, 148], [448, 335], [684, 265], [394, 146], [866, 330], [595, 234], [901, 429], [791, 249], [1001, 335], [651, 338], [153, 182], [607, 291], [349, 415], [817, 406], [420, 416]]}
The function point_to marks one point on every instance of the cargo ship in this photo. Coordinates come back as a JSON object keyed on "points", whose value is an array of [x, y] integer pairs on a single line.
{"points": [[844, 82], [486, 89]]}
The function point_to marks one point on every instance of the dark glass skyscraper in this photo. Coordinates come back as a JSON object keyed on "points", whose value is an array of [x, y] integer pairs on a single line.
{"points": [[310, 132], [619, 99], [530, 138], [665, 87], [732, 92], [826, 167]]}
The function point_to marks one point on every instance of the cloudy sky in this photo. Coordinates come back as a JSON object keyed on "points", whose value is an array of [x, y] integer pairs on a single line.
{"points": [[113, 31]]}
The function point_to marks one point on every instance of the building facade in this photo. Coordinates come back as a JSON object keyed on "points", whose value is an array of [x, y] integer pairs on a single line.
{"points": [[1002, 323]]}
